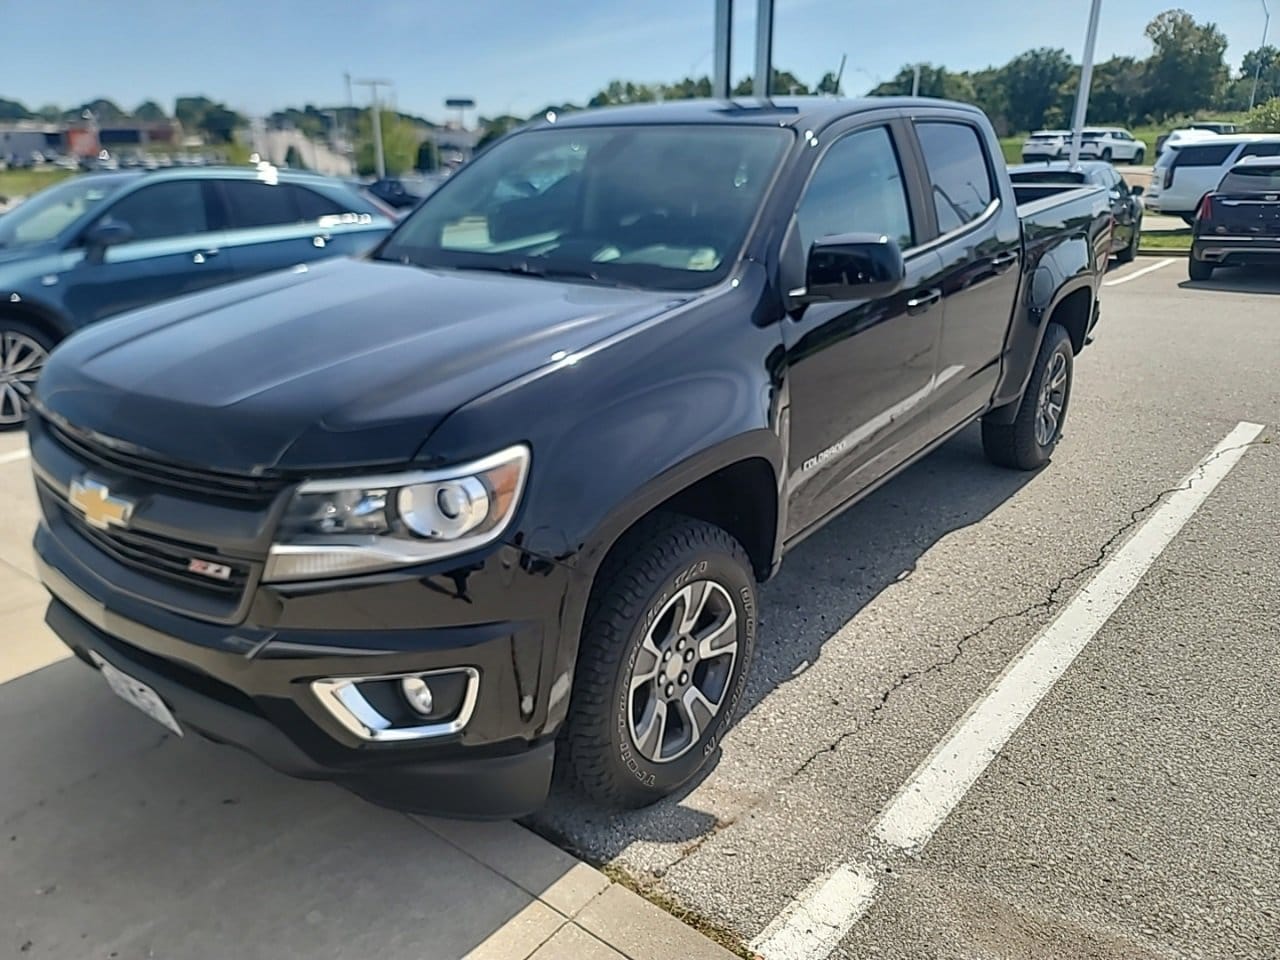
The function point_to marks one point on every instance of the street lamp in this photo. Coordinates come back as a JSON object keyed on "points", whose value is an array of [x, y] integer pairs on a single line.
{"points": [[379, 160], [1257, 72]]}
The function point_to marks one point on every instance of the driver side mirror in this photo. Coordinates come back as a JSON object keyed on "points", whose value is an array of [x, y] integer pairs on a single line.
{"points": [[103, 234], [854, 266], [1138, 190]]}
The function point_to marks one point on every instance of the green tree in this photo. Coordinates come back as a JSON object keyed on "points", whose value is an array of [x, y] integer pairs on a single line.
{"points": [[495, 127], [1187, 71], [1264, 64], [13, 110], [219, 124], [50, 112], [191, 110], [829, 85], [1033, 85], [150, 112], [106, 111], [400, 138], [934, 82], [990, 95], [1264, 118], [1118, 91], [783, 84]]}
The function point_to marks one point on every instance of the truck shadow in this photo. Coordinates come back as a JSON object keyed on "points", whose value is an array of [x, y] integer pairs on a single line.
{"points": [[1238, 280], [823, 585]]}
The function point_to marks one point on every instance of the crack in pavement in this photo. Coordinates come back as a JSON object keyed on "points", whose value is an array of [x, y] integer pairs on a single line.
{"points": [[1041, 606], [1052, 599]]}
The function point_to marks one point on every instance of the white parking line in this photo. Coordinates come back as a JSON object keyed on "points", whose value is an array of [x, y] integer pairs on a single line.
{"points": [[1158, 265], [818, 919], [14, 456]]}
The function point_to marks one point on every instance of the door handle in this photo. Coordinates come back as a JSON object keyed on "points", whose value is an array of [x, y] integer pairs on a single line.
{"points": [[1004, 261], [202, 255], [923, 301]]}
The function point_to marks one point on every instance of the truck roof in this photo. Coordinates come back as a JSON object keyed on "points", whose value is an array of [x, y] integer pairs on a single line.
{"points": [[776, 111]]}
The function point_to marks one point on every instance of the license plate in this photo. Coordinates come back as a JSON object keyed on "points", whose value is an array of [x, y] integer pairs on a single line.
{"points": [[137, 693]]}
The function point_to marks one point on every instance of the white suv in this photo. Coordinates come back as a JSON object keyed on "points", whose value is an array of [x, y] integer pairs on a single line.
{"points": [[1186, 172], [1111, 143]]}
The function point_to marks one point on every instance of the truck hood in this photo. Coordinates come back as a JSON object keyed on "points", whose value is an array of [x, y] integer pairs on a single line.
{"points": [[347, 363]]}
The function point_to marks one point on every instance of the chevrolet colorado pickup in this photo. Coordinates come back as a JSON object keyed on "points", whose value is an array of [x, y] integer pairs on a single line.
{"points": [[494, 499]]}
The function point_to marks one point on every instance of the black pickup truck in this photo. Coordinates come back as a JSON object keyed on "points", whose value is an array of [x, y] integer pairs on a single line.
{"points": [[497, 496]]}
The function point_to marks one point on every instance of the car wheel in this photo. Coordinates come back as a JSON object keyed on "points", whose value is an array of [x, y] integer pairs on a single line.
{"points": [[1138, 157], [23, 352], [1029, 441], [665, 652], [1106, 154], [1130, 251], [1198, 270], [1188, 218]]}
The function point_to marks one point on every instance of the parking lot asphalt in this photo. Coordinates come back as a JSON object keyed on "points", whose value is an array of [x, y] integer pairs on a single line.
{"points": [[883, 629], [1133, 814]]}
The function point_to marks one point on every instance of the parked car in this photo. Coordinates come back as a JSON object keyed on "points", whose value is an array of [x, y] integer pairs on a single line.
{"points": [[1183, 175], [1111, 144], [1046, 145], [503, 490], [1126, 202], [1180, 137], [1239, 223], [100, 244]]}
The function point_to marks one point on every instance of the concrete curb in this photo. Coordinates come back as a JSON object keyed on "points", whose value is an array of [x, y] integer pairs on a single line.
{"points": [[578, 913]]}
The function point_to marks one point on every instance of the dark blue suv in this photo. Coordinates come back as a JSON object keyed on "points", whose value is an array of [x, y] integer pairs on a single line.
{"points": [[98, 245]]}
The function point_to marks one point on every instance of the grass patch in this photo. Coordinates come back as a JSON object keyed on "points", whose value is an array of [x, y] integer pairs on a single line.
{"points": [[22, 183], [1178, 241], [712, 931]]}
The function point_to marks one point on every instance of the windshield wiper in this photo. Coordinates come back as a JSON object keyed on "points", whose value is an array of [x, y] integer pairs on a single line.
{"points": [[526, 269]]}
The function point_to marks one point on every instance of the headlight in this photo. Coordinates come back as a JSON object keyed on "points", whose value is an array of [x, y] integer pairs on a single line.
{"points": [[358, 524]]}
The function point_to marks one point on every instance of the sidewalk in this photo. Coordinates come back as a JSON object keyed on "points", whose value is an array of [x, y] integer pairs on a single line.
{"points": [[122, 841]]}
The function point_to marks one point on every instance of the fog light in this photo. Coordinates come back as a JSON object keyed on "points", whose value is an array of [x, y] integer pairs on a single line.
{"points": [[418, 694]]}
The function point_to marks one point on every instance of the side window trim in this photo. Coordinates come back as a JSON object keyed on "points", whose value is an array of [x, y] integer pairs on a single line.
{"points": [[997, 201], [906, 168]]}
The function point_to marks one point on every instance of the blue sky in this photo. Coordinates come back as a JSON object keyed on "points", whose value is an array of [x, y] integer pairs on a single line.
{"points": [[518, 55]]}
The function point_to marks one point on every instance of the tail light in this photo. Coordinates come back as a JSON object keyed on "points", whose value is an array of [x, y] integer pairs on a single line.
{"points": [[1205, 212]]}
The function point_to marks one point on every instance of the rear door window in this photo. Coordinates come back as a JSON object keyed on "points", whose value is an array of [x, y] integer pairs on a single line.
{"points": [[175, 208], [958, 170], [1261, 150]]}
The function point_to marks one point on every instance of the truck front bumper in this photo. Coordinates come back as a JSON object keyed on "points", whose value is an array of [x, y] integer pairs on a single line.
{"points": [[254, 685]]}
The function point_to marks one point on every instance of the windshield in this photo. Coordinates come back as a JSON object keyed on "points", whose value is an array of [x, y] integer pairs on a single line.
{"points": [[657, 207], [51, 211]]}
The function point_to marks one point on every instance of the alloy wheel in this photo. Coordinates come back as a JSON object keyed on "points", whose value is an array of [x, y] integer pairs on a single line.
{"points": [[1053, 397], [21, 360], [680, 680]]}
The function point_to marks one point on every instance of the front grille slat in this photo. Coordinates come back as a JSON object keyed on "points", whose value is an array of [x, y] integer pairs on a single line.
{"points": [[165, 474], [161, 558]]}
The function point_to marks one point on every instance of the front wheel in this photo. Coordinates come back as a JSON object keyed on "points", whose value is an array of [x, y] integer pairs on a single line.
{"points": [[664, 657], [1130, 251], [23, 352], [1029, 441], [1138, 158]]}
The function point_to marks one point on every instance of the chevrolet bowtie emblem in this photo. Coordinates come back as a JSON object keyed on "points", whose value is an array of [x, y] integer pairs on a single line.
{"points": [[100, 508]]}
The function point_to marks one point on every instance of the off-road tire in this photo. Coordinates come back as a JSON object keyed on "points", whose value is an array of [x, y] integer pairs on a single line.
{"points": [[1015, 444], [655, 560]]}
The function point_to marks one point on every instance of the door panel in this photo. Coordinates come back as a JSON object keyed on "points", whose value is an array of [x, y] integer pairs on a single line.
{"points": [[980, 253], [860, 373], [277, 226], [174, 253]]}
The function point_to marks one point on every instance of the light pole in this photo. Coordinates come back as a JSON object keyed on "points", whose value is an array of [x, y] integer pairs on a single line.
{"points": [[915, 82], [1266, 24], [1086, 81], [379, 160]]}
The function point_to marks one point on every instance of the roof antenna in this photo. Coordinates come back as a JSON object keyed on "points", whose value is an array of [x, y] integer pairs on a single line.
{"points": [[839, 74]]}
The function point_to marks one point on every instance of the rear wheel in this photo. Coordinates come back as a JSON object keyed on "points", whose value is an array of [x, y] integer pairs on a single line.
{"points": [[664, 657], [1106, 154], [1138, 157], [1198, 270], [1029, 441], [23, 352]]}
